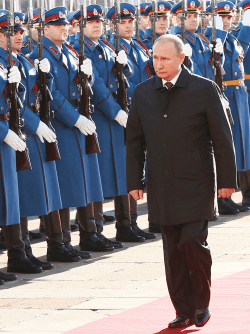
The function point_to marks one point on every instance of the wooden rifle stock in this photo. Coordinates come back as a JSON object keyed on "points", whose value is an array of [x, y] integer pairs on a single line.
{"points": [[52, 150], [22, 158]]}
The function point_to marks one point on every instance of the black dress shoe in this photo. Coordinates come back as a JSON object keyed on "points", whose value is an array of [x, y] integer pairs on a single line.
{"points": [[180, 322], [107, 241], [34, 235], [1, 282], [23, 265], [246, 201], [94, 244], [43, 264], [225, 209], [232, 204], [126, 234], [201, 317], [75, 251], [74, 227], [143, 234], [154, 228], [109, 218], [61, 254], [7, 277]]}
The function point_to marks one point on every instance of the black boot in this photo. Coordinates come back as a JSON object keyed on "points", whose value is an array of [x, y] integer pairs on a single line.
{"points": [[17, 260], [7, 277], [123, 220], [65, 221], [225, 209], [56, 251], [232, 204], [99, 220], [108, 219], [89, 240], [134, 215], [1, 282], [244, 181], [26, 239]]}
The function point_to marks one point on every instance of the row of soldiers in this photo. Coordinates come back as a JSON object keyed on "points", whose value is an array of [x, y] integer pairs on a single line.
{"points": [[83, 180]]}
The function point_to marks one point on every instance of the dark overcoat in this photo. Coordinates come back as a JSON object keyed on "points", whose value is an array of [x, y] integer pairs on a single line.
{"points": [[183, 131]]}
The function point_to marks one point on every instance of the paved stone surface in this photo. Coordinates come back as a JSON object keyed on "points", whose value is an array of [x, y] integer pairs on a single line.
{"points": [[71, 295]]}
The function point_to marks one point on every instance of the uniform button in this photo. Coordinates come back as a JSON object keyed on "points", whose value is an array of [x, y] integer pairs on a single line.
{"points": [[32, 104], [1, 108], [74, 94], [235, 73], [237, 87], [100, 56], [165, 115], [167, 172], [111, 86], [200, 51], [165, 144]]}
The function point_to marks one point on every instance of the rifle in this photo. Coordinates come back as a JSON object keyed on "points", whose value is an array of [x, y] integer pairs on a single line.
{"points": [[52, 150], [13, 101], [203, 15], [138, 20], [183, 30], [121, 83], [105, 20], [218, 76], [30, 26], [153, 18], [92, 144]]}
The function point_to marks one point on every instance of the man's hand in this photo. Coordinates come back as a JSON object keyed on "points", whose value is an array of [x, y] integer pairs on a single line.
{"points": [[137, 194], [226, 192]]}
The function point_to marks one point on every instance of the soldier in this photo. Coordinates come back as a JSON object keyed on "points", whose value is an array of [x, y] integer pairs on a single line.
{"points": [[78, 172], [72, 28], [25, 46], [236, 48], [10, 142], [161, 25], [145, 23]]}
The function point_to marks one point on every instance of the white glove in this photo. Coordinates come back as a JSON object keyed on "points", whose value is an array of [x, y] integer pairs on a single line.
{"points": [[44, 132], [225, 103], [122, 58], [218, 22], [246, 18], [86, 126], [14, 75], [219, 46], [44, 65], [87, 67], [122, 118], [15, 141], [188, 50]]}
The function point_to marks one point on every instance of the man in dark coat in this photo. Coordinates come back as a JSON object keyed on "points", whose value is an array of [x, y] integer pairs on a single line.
{"points": [[185, 131]]}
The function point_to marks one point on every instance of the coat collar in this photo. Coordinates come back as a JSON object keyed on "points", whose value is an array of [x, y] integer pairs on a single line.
{"points": [[52, 48], [181, 82]]}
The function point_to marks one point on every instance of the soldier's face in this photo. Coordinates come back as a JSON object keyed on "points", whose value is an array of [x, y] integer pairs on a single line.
{"points": [[17, 40], [166, 60], [227, 22], [162, 24], [93, 29], [126, 28], [57, 33], [144, 22], [191, 23], [35, 32]]}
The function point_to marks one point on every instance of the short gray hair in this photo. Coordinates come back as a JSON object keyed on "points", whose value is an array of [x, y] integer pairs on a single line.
{"points": [[179, 45]]}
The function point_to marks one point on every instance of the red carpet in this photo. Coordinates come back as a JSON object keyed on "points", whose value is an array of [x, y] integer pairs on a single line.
{"points": [[230, 309]]}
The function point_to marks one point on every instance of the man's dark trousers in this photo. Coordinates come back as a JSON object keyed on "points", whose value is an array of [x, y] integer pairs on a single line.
{"points": [[188, 266]]}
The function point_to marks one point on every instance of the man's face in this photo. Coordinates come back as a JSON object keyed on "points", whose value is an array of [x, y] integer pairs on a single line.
{"points": [[144, 22], [172, 20], [16, 40], [166, 60], [57, 33], [191, 23], [126, 28], [35, 31], [93, 29], [207, 19], [227, 22], [161, 25]]}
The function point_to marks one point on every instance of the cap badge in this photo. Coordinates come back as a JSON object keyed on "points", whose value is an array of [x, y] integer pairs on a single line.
{"points": [[125, 11], [227, 7], [17, 20], [161, 8], [61, 14], [192, 4], [95, 11]]}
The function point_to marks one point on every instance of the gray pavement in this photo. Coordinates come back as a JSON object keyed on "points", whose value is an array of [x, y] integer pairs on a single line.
{"points": [[71, 295]]}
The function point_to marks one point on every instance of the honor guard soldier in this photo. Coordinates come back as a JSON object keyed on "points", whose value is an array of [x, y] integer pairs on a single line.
{"points": [[78, 172], [237, 68], [72, 28], [162, 23], [145, 23], [25, 46], [138, 56], [200, 53]]}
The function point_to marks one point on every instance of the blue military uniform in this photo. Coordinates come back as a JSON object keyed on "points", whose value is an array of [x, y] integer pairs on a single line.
{"points": [[25, 47], [71, 38], [143, 7], [78, 173]]}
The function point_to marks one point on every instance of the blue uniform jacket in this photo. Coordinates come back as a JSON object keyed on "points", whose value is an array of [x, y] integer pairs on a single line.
{"points": [[25, 47], [112, 159], [9, 197], [78, 173]]}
